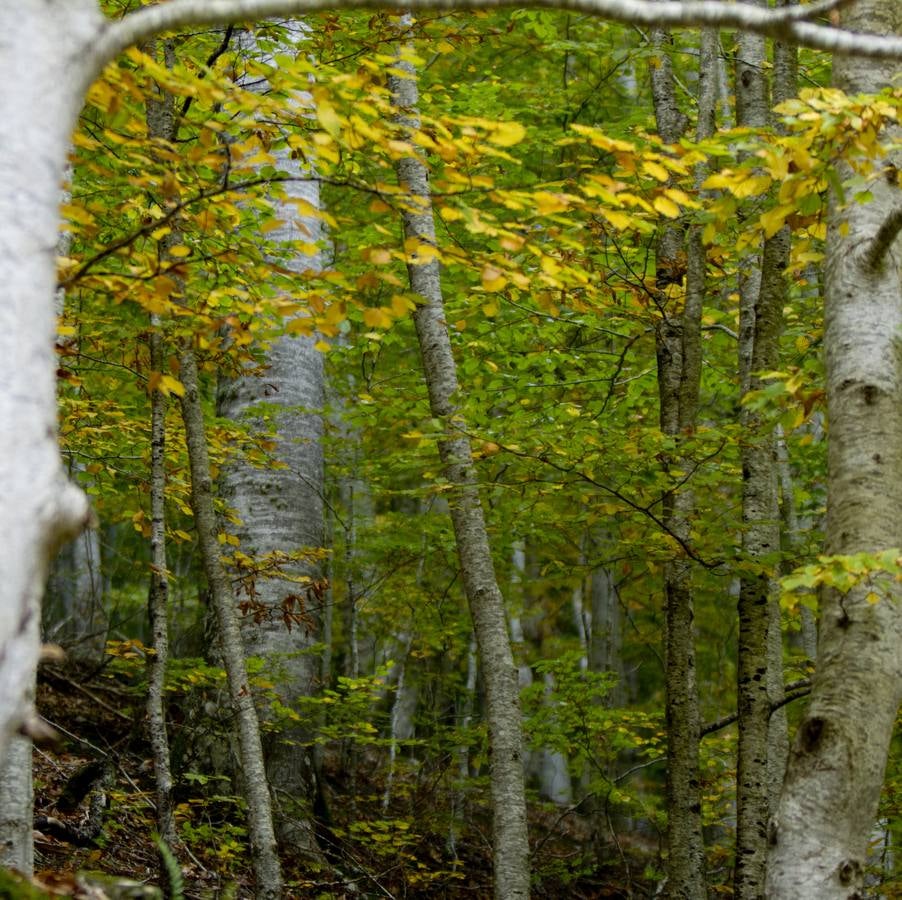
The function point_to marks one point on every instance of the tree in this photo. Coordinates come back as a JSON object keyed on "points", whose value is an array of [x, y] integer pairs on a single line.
{"points": [[62, 46], [278, 507], [679, 361], [836, 765], [511, 841]]}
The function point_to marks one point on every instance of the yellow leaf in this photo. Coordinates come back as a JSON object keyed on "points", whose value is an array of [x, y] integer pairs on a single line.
{"points": [[170, 385], [719, 180], [328, 118], [493, 279], [506, 134], [751, 186], [547, 203], [619, 220], [179, 251], [376, 317], [322, 346], [401, 305], [419, 252], [656, 170], [774, 219], [666, 206], [299, 325], [379, 256]]}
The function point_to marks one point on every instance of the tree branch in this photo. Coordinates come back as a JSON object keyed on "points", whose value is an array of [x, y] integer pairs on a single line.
{"points": [[882, 241], [783, 24], [794, 691]]}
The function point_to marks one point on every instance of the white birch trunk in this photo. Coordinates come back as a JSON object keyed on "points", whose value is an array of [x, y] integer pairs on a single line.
{"points": [[829, 801], [39, 509]]}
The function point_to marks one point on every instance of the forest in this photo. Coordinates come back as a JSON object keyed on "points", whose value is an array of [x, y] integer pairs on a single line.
{"points": [[451, 451]]}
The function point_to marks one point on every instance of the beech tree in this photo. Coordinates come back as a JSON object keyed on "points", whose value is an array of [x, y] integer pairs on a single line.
{"points": [[63, 44]]}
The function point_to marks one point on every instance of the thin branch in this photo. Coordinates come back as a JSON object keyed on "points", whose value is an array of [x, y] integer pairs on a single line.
{"points": [[794, 691], [882, 241], [783, 24]]}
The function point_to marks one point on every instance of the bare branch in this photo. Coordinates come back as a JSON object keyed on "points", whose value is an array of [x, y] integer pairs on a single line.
{"points": [[784, 24], [794, 691], [882, 241]]}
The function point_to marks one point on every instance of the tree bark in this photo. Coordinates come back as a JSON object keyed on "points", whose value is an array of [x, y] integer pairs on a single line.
{"points": [[510, 839], [835, 772], [161, 124], [40, 509], [678, 345], [158, 601], [280, 506], [256, 790], [762, 736]]}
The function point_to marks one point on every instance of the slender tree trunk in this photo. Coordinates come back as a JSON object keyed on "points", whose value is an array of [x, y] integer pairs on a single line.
{"points": [[829, 800], [763, 740], [678, 339], [280, 507], [510, 840], [259, 811], [264, 852], [161, 124], [17, 807], [158, 600]]}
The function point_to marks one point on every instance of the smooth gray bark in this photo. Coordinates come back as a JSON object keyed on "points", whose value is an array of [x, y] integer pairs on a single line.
{"points": [[510, 839], [280, 506], [829, 799]]}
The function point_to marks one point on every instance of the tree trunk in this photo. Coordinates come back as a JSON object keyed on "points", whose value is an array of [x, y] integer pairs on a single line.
{"points": [[40, 509], [161, 124], [280, 507], [256, 790], [678, 344], [835, 772], [762, 735], [510, 840], [158, 601]]}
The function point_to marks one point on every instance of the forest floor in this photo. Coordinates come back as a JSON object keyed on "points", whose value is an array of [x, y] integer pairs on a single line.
{"points": [[369, 852]]}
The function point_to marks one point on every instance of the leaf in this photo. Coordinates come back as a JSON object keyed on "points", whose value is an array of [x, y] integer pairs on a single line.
{"points": [[493, 279], [656, 170], [774, 219], [506, 134], [328, 118], [620, 220], [666, 207], [170, 385]]}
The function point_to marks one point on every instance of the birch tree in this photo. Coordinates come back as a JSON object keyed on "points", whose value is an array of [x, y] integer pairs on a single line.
{"points": [[829, 800], [63, 44]]}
